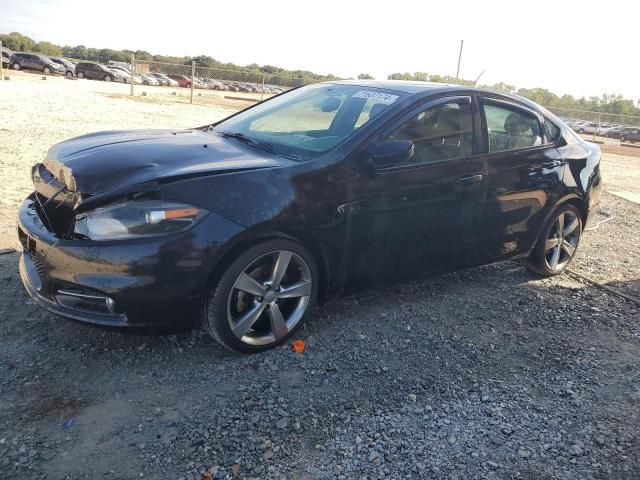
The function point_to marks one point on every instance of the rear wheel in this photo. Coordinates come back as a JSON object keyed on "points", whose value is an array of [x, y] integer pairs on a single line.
{"points": [[261, 298], [46, 70], [557, 243], [107, 78], [68, 74], [80, 75], [623, 138], [16, 66]]}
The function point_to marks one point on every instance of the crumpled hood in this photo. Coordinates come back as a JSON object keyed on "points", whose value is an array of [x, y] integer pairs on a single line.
{"points": [[103, 161]]}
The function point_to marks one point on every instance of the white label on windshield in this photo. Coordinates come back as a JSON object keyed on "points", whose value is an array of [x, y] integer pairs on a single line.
{"points": [[377, 96]]}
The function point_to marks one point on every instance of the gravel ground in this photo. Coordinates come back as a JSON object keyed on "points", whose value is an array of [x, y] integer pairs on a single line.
{"points": [[487, 373]]}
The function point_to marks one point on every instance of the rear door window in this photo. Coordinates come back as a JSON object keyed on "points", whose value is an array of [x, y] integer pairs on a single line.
{"points": [[510, 128]]}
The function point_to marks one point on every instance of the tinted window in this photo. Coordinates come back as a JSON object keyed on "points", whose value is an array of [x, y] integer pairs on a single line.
{"points": [[551, 130], [510, 128], [441, 132]]}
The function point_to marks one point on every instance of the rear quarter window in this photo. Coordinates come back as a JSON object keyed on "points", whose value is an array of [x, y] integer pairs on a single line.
{"points": [[551, 130]]}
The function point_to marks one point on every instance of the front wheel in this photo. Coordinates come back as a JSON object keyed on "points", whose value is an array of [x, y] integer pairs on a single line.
{"points": [[623, 138], [107, 78], [557, 243], [16, 66], [46, 70], [80, 75], [261, 298]]}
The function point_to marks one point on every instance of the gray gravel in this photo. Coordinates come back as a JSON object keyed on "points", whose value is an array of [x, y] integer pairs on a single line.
{"points": [[489, 373]]}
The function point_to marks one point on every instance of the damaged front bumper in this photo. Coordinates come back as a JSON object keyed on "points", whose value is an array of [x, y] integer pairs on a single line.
{"points": [[152, 283]]}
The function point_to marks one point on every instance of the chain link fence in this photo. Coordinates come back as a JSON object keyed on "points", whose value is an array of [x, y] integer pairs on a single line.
{"points": [[236, 84], [597, 124]]}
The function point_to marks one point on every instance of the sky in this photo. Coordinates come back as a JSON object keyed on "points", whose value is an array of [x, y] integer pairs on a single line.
{"points": [[569, 47]]}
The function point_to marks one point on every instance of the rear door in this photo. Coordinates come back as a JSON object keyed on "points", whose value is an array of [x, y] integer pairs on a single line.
{"points": [[420, 215], [524, 178]]}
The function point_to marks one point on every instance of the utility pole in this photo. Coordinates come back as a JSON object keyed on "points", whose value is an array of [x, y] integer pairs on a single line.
{"points": [[133, 67], [459, 59]]}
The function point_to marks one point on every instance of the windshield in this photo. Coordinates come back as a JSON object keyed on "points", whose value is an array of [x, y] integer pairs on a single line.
{"points": [[309, 121]]}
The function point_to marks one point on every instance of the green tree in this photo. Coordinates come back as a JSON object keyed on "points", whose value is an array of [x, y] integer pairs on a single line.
{"points": [[365, 76]]}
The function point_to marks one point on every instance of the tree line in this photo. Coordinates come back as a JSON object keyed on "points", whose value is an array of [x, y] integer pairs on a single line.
{"points": [[605, 103], [21, 43]]}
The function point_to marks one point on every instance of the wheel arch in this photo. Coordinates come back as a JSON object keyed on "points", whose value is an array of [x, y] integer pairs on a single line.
{"points": [[571, 199], [248, 239]]}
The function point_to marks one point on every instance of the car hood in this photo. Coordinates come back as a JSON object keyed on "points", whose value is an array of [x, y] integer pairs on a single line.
{"points": [[104, 161]]}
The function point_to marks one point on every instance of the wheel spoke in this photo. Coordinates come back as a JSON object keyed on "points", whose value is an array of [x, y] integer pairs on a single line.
{"points": [[555, 258], [248, 284], [551, 243], [568, 230], [278, 325], [300, 289], [248, 319], [560, 224], [280, 267], [567, 247]]}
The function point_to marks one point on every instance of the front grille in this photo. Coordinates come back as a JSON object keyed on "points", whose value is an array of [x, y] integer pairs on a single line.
{"points": [[40, 268]]}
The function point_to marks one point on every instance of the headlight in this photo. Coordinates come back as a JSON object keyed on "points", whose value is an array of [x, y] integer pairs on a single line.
{"points": [[137, 219]]}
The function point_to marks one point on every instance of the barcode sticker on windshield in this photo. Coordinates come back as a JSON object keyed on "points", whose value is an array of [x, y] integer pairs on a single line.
{"points": [[377, 96]]}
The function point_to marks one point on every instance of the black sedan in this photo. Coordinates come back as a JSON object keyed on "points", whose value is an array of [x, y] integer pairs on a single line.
{"points": [[243, 225]]}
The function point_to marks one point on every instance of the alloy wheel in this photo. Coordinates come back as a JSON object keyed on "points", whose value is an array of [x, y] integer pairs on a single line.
{"points": [[562, 241], [269, 297]]}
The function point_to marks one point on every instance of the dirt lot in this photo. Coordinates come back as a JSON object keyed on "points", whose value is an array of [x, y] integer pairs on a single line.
{"points": [[488, 373]]}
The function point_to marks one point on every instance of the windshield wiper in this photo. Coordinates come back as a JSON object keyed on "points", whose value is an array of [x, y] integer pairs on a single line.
{"points": [[267, 147]]}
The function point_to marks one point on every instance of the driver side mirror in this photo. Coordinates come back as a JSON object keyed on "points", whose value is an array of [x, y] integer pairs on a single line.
{"points": [[391, 152]]}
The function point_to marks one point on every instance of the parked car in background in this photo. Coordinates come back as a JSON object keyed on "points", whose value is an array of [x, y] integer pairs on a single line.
{"points": [[615, 132], [69, 67], [164, 78], [324, 188], [585, 127], [33, 61], [6, 57], [182, 80], [630, 134], [126, 73], [149, 80], [96, 71]]}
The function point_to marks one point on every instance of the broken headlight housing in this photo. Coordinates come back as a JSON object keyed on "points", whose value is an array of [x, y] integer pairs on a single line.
{"points": [[137, 219]]}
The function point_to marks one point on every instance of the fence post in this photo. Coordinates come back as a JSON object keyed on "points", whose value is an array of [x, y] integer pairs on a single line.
{"points": [[262, 90], [1, 68], [133, 70], [193, 78]]}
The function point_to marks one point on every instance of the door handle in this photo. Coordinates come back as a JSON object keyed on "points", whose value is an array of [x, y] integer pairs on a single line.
{"points": [[468, 180]]}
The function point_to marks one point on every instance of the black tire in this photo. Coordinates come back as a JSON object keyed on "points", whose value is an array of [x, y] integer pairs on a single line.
{"points": [[16, 66], [216, 302], [68, 74], [46, 70], [107, 78], [537, 261], [80, 75], [581, 131], [623, 138]]}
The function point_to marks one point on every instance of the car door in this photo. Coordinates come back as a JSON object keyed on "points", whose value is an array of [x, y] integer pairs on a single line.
{"points": [[524, 178], [35, 62], [420, 214]]}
